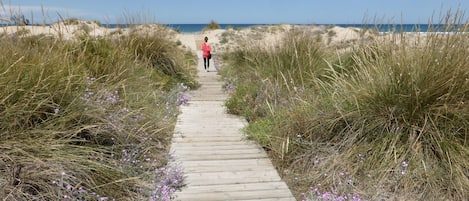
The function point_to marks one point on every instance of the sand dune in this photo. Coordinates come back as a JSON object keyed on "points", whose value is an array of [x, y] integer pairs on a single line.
{"points": [[220, 39]]}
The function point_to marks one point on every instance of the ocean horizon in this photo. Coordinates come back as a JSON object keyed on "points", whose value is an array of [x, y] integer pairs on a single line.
{"points": [[197, 28]]}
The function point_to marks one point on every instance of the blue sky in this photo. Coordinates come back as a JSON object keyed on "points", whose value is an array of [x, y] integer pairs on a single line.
{"points": [[236, 11]]}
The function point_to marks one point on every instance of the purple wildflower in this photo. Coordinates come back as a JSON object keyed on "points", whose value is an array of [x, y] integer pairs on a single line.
{"points": [[405, 164]]}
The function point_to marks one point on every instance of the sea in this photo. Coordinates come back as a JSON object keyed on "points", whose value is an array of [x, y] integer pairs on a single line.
{"points": [[196, 28]]}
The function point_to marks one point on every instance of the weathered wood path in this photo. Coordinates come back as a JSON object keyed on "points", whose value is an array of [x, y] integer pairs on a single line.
{"points": [[218, 162]]}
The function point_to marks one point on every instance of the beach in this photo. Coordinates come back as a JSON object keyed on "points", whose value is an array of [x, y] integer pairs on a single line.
{"points": [[321, 99], [220, 39]]}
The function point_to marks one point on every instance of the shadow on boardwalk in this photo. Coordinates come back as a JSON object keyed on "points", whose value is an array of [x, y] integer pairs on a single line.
{"points": [[219, 163]]}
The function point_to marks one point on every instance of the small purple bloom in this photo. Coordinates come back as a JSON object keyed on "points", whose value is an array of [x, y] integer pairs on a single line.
{"points": [[405, 164]]}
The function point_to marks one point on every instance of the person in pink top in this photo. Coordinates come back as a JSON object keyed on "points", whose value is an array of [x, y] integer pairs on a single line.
{"points": [[206, 53]]}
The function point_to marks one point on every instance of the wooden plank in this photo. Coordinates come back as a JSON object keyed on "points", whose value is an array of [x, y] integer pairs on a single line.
{"points": [[221, 163], [199, 134], [203, 109], [203, 103], [211, 97], [271, 199], [188, 131], [227, 151], [208, 135], [181, 147], [208, 132], [209, 139], [221, 156], [218, 154], [211, 122], [238, 187], [209, 144], [209, 115], [282, 194], [215, 178], [203, 125], [223, 168]]}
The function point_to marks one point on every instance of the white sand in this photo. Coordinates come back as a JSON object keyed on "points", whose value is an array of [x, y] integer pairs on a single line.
{"points": [[269, 36], [58, 30], [220, 39]]}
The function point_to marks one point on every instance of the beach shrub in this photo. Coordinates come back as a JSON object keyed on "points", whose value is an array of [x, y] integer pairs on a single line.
{"points": [[76, 21], [385, 120], [211, 26], [89, 119], [163, 55], [274, 72], [71, 21], [409, 102], [224, 40], [22, 32]]}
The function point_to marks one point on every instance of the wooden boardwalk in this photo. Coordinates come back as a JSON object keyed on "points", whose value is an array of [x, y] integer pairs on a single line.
{"points": [[218, 162]]}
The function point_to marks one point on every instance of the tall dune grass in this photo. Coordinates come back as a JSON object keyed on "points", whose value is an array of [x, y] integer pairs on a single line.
{"points": [[386, 119], [274, 73], [89, 119]]}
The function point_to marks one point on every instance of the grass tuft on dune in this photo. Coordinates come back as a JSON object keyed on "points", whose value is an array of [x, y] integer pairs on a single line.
{"points": [[89, 118], [384, 117]]}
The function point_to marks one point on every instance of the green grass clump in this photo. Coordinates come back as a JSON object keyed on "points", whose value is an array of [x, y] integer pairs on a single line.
{"points": [[76, 21], [385, 119], [211, 26], [88, 118], [164, 57], [409, 102], [274, 73]]}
